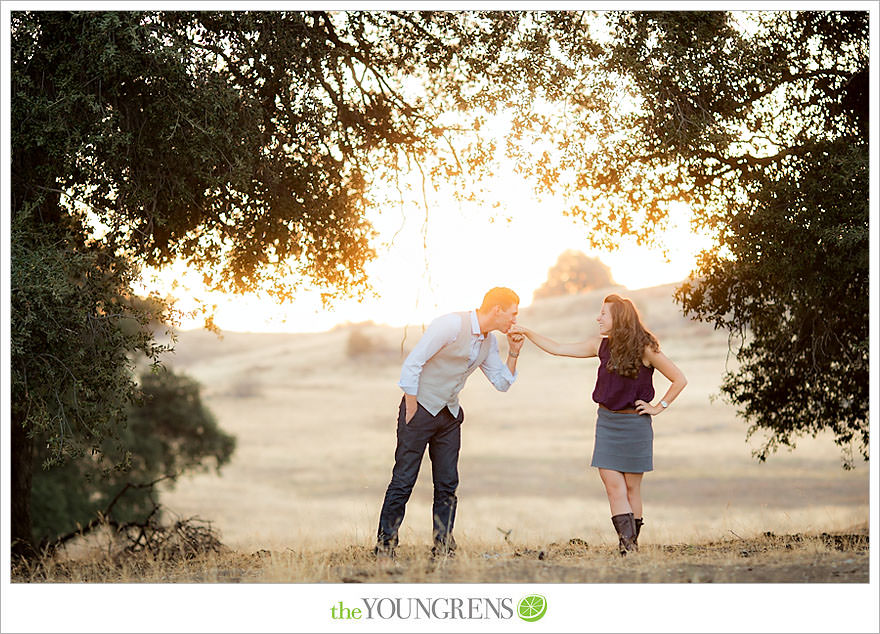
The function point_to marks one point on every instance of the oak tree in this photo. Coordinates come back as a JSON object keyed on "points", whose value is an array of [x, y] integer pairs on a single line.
{"points": [[758, 121], [248, 144]]}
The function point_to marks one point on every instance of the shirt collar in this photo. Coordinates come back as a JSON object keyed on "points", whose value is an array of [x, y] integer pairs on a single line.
{"points": [[475, 325]]}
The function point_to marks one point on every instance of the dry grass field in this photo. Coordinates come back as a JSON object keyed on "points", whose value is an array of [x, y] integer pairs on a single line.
{"points": [[767, 558], [316, 431]]}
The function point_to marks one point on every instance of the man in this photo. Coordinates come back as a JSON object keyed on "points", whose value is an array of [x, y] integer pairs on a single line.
{"points": [[432, 376]]}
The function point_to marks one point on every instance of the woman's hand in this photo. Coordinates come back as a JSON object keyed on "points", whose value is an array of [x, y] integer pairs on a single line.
{"points": [[647, 408], [515, 342]]}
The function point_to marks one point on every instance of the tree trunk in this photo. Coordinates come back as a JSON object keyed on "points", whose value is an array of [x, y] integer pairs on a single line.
{"points": [[22, 456]]}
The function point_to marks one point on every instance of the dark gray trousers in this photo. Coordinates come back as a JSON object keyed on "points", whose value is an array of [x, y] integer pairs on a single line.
{"points": [[441, 434]]}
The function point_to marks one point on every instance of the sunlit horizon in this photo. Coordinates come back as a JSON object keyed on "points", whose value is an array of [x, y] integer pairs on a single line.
{"points": [[466, 251], [237, 315], [437, 254]]}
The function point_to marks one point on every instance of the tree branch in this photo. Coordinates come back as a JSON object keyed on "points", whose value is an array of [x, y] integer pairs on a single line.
{"points": [[104, 519]]}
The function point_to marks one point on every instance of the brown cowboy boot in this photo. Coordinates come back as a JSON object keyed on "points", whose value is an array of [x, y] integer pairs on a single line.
{"points": [[626, 531], [638, 522]]}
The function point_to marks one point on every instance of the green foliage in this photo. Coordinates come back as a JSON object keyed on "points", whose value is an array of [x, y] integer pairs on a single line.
{"points": [[758, 121], [574, 273], [74, 331], [170, 432], [795, 288], [247, 142]]}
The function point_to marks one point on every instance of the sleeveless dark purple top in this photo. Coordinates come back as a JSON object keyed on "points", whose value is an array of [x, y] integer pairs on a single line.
{"points": [[615, 391]]}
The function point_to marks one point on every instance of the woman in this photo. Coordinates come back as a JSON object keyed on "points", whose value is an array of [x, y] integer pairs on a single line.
{"points": [[623, 449]]}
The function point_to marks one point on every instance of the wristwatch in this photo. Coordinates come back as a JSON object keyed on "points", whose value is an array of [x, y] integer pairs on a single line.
{"points": [[664, 404]]}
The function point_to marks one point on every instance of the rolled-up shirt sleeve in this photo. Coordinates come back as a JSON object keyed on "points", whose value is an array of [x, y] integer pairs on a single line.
{"points": [[495, 369], [440, 332]]}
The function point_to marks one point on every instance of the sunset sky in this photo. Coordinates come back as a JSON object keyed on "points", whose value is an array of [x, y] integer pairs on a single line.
{"points": [[469, 250]]}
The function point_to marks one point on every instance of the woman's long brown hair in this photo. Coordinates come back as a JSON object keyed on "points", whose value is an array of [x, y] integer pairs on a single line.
{"points": [[628, 337]]}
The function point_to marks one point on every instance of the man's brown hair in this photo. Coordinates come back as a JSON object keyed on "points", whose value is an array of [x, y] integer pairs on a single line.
{"points": [[499, 296]]}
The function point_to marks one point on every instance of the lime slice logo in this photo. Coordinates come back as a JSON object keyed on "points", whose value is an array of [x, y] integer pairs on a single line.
{"points": [[532, 607]]}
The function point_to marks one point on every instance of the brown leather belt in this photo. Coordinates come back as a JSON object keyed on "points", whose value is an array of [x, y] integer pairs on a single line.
{"points": [[620, 411]]}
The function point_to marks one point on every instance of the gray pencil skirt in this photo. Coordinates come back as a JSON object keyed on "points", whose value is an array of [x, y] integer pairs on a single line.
{"points": [[624, 442]]}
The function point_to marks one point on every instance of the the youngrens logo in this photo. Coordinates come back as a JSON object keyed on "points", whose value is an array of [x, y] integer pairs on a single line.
{"points": [[529, 608], [532, 607]]}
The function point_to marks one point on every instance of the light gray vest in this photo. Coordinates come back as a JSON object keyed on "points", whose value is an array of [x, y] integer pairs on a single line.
{"points": [[444, 375]]}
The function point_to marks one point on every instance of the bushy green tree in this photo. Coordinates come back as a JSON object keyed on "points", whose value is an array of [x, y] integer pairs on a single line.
{"points": [[759, 122], [168, 433], [75, 334]]}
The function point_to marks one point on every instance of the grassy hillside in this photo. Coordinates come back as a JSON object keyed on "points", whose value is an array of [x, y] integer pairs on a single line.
{"points": [[315, 427]]}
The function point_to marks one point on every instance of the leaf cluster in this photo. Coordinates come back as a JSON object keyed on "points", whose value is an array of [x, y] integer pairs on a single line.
{"points": [[252, 144], [757, 121], [168, 433], [76, 332]]}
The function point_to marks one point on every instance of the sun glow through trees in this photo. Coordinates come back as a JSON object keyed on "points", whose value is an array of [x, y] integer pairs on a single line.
{"points": [[420, 271]]}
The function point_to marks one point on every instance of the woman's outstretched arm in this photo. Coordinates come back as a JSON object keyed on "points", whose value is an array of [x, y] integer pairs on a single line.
{"points": [[580, 349]]}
